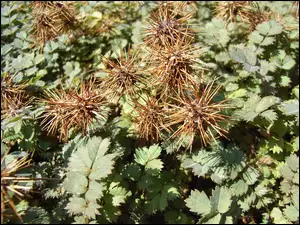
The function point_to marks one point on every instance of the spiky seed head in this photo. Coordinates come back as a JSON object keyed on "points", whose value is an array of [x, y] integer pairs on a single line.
{"points": [[124, 75], [173, 66], [228, 11], [150, 118], [164, 27], [77, 108], [11, 183], [197, 114], [52, 19], [13, 96]]}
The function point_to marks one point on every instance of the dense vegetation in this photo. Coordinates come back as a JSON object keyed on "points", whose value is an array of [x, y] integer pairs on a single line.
{"points": [[150, 112]]}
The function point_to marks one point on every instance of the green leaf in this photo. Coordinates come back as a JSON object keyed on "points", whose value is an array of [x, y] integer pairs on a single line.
{"points": [[245, 56], [270, 115], [275, 27], [255, 37], [95, 191], [76, 183], [288, 62], [92, 210], [215, 220], [293, 162], [265, 103], [269, 28], [76, 205], [119, 195], [267, 41], [239, 188], [221, 199], [155, 164], [287, 173], [285, 81], [198, 202], [290, 107], [277, 216], [263, 28], [144, 155], [291, 213], [250, 175], [260, 190]]}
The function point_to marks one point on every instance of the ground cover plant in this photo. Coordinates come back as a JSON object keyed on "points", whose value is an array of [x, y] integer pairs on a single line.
{"points": [[150, 112]]}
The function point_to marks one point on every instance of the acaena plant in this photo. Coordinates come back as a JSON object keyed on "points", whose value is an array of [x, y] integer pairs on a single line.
{"points": [[77, 108]]}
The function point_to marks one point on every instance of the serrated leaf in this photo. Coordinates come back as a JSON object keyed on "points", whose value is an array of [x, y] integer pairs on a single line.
{"points": [[263, 28], [247, 116], [250, 175], [290, 107], [95, 191], [293, 162], [267, 41], [270, 115], [275, 27], [239, 188], [277, 216], [260, 190], [291, 213], [269, 28], [288, 62], [265, 103], [76, 183], [142, 156], [255, 37], [92, 210], [285, 81], [170, 192], [76, 205], [287, 173], [221, 199], [155, 164], [198, 202]]}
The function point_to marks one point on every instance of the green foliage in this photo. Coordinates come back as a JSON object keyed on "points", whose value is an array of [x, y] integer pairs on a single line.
{"points": [[88, 166], [112, 175]]}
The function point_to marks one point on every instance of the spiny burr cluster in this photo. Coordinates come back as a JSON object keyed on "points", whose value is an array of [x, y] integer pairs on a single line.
{"points": [[173, 67], [75, 108], [51, 19], [13, 96]]}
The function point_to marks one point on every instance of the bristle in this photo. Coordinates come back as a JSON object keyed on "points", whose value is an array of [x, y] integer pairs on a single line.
{"points": [[124, 76], [75, 108], [52, 19], [173, 66], [164, 27], [228, 11], [13, 96], [150, 119], [197, 114]]}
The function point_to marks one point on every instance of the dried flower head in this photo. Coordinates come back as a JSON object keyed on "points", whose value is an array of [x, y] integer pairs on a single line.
{"points": [[173, 66], [197, 114], [76, 108], [228, 11], [12, 183], [124, 75], [52, 19], [165, 27], [13, 96], [149, 121]]}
